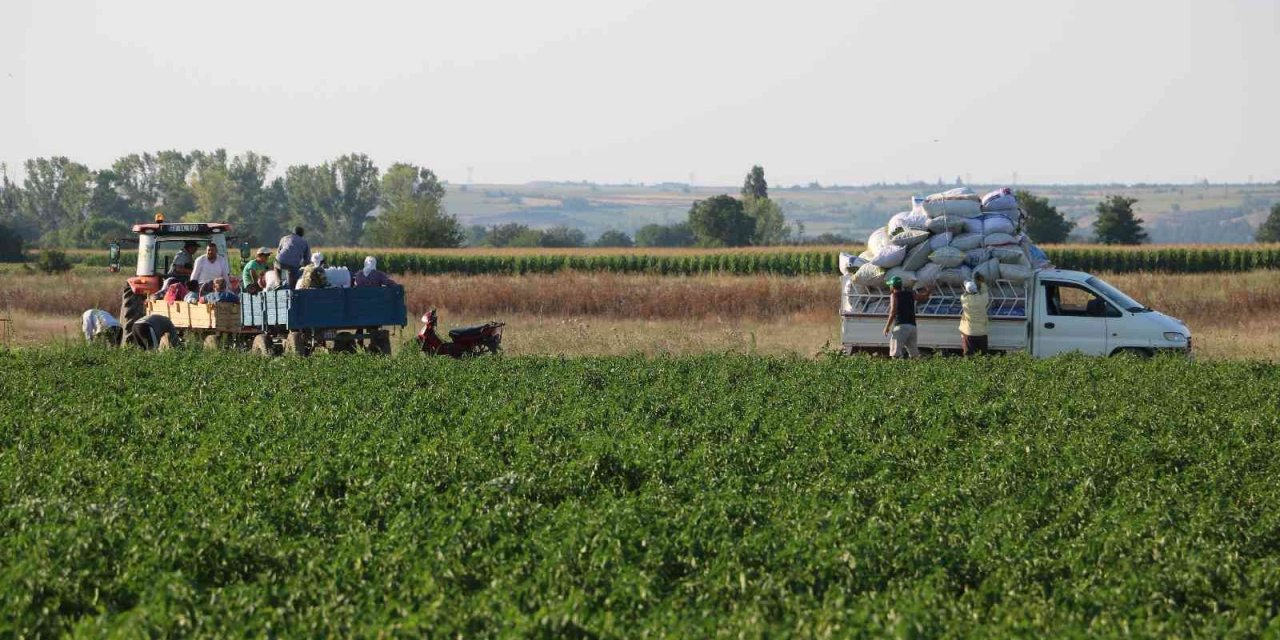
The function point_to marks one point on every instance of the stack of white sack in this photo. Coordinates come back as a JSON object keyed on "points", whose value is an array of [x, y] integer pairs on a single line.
{"points": [[946, 239], [339, 277]]}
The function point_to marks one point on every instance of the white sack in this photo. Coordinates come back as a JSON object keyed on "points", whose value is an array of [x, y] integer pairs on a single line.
{"points": [[967, 241], [908, 277], [990, 270], [975, 257], [971, 225], [955, 277], [909, 237], [849, 263], [996, 223], [964, 208], [890, 256], [879, 238], [917, 256], [997, 239], [997, 201], [947, 257], [927, 276], [908, 220], [1015, 272], [339, 277], [940, 240], [866, 255], [1007, 255], [869, 275]]}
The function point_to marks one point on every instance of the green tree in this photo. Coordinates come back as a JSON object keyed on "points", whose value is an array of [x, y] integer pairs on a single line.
{"points": [[561, 237], [503, 235], [1044, 224], [415, 222], [255, 203], [358, 196], [213, 190], [476, 235], [1270, 230], [720, 221], [1116, 223], [412, 214], [755, 185], [770, 224], [613, 238], [55, 195], [11, 244], [658, 235], [106, 200], [526, 239]]}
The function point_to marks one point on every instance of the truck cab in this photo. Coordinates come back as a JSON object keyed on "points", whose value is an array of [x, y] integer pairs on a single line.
{"points": [[1055, 311]]}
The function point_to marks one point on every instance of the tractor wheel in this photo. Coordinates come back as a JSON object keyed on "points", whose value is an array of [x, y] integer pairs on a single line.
{"points": [[380, 343], [211, 342], [132, 308], [295, 344], [261, 345], [344, 342]]}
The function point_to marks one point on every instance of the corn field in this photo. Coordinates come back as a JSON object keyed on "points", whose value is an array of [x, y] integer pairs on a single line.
{"points": [[782, 261]]}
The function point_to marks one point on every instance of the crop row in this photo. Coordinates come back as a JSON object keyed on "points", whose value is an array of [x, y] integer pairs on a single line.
{"points": [[607, 497], [783, 261]]}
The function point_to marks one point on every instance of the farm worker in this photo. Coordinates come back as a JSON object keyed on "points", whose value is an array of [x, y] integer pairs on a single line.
{"points": [[254, 271], [313, 274], [147, 332], [175, 291], [183, 261], [100, 325], [220, 293], [900, 324], [369, 276], [292, 253], [973, 316], [210, 266]]}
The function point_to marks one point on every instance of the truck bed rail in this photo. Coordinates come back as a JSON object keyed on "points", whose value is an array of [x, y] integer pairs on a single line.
{"points": [[1008, 300]]}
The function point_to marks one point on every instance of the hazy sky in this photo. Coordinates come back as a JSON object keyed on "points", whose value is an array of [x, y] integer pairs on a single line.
{"points": [[605, 90]]}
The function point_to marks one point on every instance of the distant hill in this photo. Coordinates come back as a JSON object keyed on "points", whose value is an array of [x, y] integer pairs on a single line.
{"points": [[1172, 213]]}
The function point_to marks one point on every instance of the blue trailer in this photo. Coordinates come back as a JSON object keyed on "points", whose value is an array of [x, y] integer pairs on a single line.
{"points": [[337, 319]]}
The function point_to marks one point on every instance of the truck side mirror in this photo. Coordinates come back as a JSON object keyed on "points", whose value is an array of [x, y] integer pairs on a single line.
{"points": [[244, 252], [113, 257]]}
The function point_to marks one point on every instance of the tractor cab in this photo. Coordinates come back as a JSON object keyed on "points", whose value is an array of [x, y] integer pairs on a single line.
{"points": [[159, 243]]}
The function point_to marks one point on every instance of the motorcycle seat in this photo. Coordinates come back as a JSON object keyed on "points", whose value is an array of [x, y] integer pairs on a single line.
{"points": [[466, 332]]}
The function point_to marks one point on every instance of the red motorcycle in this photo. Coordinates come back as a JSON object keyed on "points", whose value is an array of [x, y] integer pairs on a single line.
{"points": [[464, 341]]}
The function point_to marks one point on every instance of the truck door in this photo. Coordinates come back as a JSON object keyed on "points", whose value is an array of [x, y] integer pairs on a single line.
{"points": [[1069, 317]]}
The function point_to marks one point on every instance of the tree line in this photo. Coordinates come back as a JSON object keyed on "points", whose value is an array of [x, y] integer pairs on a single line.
{"points": [[347, 201]]}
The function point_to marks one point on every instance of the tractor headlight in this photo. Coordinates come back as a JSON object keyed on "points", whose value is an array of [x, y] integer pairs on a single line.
{"points": [[1174, 336]]}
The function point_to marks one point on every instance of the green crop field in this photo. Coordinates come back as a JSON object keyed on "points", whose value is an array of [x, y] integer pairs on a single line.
{"points": [[221, 494]]}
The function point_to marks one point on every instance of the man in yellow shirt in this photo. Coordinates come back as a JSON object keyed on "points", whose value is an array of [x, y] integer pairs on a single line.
{"points": [[973, 317]]}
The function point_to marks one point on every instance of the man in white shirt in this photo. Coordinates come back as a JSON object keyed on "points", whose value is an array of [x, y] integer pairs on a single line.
{"points": [[210, 266], [100, 325]]}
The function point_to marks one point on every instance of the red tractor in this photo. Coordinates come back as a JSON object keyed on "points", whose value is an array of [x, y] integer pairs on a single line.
{"points": [[159, 243]]}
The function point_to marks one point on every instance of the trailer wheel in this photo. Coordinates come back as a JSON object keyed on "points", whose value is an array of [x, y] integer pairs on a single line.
{"points": [[295, 344], [211, 342], [380, 343], [344, 342], [261, 346]]}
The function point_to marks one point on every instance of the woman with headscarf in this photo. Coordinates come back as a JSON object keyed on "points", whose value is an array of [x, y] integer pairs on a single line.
{"points": [[369, 276], [313, 274]]}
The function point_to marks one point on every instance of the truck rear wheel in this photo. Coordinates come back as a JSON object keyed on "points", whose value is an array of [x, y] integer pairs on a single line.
{"points": [[261, 345], [344, 342], [380, 343], [295, 344]]}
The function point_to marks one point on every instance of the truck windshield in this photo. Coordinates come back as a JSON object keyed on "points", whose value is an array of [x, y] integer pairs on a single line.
{"points": [[1115, 295]]}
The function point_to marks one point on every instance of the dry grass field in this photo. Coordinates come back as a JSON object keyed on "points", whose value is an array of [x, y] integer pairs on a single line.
{"points": [[1231, 316]]}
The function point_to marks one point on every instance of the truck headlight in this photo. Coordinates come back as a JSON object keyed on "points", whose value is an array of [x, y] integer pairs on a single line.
{"points": [[1174, 336]]}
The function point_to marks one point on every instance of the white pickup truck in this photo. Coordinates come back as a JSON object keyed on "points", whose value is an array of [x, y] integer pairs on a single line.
{"points": [[1053, 312]]}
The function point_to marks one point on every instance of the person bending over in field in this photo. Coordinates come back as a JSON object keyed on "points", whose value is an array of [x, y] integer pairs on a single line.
{"points": [[313, 274], [100, 326], [900, 326], [148, 332], [369, 276]]}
